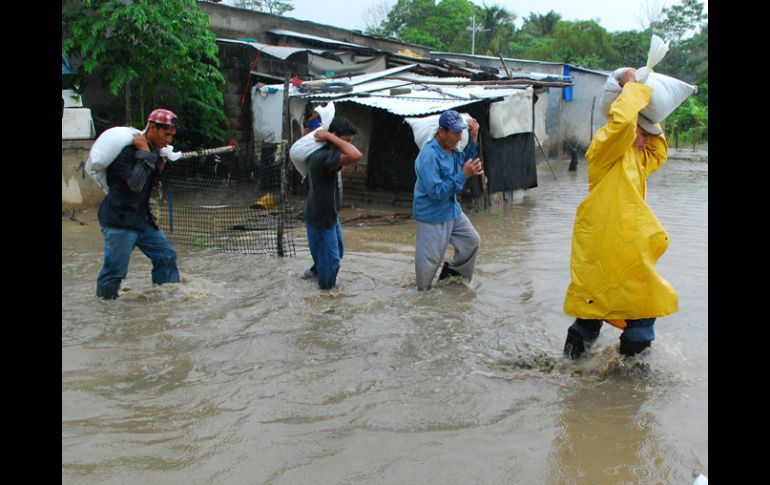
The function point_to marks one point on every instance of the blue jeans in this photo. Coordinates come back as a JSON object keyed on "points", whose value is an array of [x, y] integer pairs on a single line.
{"points": [[636, 330], [326, 248], [118, 244]]}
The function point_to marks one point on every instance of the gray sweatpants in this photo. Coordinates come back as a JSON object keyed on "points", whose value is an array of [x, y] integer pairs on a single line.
{"points": [[432, 242]]}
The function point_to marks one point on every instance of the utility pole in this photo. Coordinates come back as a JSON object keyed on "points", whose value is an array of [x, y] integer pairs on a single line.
{"points": [[473, 28]]}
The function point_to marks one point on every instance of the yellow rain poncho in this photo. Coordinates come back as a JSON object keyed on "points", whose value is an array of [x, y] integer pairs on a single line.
{"points": [[617, 239]]}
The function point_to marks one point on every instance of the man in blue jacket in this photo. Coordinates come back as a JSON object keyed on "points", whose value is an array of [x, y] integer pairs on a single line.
{"points": [[441, 174], [124, 214]]}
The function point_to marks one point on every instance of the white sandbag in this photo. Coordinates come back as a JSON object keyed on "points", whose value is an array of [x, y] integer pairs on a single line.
{"points": [[305, 146], [99, 177], [668, 93], [105, 150], [108, 146], [424, 129]]}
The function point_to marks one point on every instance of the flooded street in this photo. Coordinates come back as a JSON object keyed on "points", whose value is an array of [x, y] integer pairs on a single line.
{"points": [[246, 373]]}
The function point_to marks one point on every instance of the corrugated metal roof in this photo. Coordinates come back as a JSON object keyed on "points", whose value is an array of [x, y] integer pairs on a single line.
{"points": [[427, 79], [363, 78], [419, 101], [408, 107], [478, 92], [423, 98], [376, 85], [362, 83], [281, 52], [449, 55], [458, 55], [291, 33]]}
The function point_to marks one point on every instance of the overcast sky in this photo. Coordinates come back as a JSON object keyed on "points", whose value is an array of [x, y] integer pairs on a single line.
{"points": [[613, 15]]}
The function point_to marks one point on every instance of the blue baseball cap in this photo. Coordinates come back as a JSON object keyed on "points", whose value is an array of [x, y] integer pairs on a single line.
{"points": [[452, 121]]}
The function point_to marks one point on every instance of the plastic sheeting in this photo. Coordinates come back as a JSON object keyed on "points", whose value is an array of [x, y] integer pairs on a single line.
{"points": [[513, 115], [509, 163], [351, 64]]}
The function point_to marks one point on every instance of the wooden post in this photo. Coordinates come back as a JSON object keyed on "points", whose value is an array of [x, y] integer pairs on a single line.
{"points": [[504, 66], [484, 179], [286, 115], [280, 158]]}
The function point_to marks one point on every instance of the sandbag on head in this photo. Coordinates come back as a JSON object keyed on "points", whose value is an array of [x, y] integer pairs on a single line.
{"points": [[667, 92]]}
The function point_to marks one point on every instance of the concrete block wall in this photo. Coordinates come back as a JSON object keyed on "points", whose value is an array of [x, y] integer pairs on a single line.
{"points": [[78, 190], [234, 23]]}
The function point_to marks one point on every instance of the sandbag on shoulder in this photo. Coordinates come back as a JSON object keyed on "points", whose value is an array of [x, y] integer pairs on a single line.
{"points": [[108, 146], [424, 129], [105, 150], [305, 146]]}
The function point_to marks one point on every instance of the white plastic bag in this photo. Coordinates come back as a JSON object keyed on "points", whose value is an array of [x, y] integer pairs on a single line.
{"points": [[305, 146], [668, 93], [108, 146], [424, 129], [169, 153]]}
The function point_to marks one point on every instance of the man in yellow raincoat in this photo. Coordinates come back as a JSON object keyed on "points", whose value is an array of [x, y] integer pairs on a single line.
{"points": [[616, 238]]}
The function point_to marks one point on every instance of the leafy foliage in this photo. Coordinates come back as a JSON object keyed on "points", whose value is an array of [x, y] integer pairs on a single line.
{"points": [[541, 25], [679, 20], [630, 48], [582, 39], [275, 7], [498, 30], [689, 123], [160, 53]]}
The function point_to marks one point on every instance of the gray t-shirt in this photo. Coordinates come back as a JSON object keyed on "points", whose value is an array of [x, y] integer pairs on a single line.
{"points": [[323, 199]]}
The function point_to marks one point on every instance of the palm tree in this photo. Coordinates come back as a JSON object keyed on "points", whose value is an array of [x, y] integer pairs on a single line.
{"points": [[497, 28], [541, 25]]}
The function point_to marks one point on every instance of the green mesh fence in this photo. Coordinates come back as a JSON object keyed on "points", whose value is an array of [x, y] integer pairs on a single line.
{"points": [[210, 201]]}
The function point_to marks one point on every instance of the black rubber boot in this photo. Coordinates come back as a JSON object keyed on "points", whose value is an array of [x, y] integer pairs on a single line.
{"points": [[574, 346], [630, 348], [446, 272]]}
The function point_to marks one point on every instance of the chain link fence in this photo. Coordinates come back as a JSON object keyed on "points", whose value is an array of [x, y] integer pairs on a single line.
{"points": [[206, 199]]}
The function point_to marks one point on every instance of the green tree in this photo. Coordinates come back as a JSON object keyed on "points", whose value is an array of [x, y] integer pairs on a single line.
{"points": [[527, 46], [275, 7], [541, 25], [679, 20], [451, 22], [630, 48], [689, 122], [499, 29], [161, 51], [407, 14], [584, 39], [441, 26], [421, 37]]}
